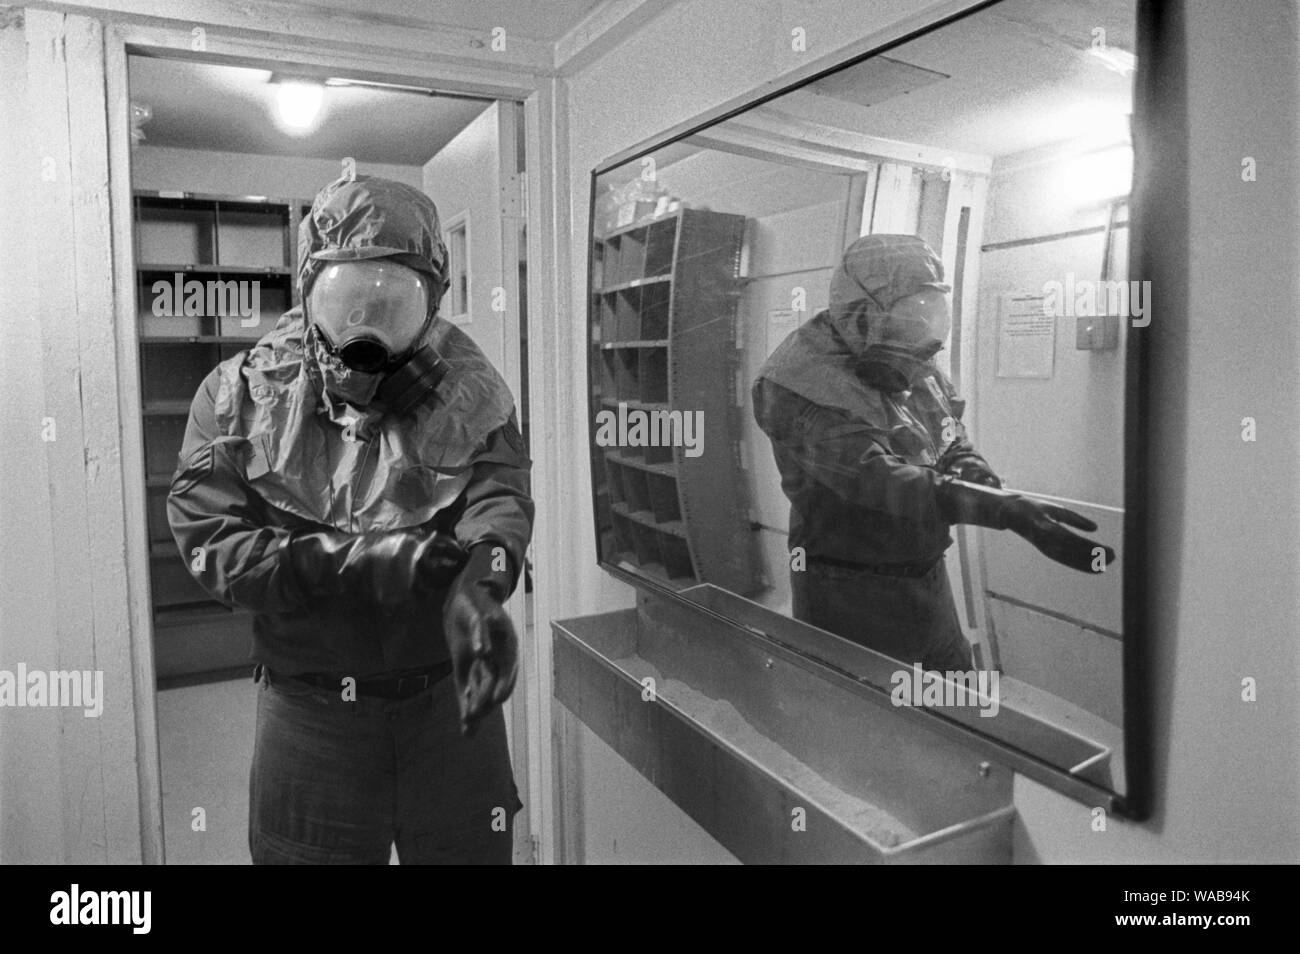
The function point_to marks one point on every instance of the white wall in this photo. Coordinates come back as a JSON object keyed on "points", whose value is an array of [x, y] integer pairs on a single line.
{"points": [[70, 788], [1061, 435], [1225, 512], [28, 783], [1057, 435], [1225, 520], [237, 173], [463, 178]]}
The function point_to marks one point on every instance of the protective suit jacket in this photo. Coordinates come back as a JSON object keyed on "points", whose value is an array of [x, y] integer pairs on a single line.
{"points": [[268, 449], [859, 465]]}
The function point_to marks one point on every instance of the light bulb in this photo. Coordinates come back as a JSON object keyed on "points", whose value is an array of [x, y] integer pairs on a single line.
{"points": [[298, 104]]}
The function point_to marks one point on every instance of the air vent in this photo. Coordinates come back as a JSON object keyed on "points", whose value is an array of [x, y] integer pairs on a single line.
{"points": [[875, 80]]}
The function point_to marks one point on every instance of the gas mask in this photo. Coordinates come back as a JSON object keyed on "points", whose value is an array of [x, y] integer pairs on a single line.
{"points": [[901, 344], [368, 317]]}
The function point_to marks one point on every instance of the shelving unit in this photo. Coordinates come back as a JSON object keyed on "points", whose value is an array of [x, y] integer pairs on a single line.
{"points": [[662, 319], [183, 237]]}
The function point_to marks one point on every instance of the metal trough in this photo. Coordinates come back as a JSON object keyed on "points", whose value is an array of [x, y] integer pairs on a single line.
{"points": [[780, 757]]}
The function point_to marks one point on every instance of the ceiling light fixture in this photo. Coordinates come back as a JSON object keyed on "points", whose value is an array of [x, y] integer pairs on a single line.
{"points": [[298, 104], [141, 113], [1100, 176]]}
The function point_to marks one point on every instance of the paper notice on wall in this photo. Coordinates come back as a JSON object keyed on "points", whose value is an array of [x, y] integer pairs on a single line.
{"points": [[781, 323], [1026, 337]]}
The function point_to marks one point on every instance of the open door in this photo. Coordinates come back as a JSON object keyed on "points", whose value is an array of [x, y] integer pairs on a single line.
{"points": [[483, 225]]}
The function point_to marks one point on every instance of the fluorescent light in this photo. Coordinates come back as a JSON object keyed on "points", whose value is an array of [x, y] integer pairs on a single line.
{"points": [[298, 104], [1098, 176], [1099, 123], [370, 84], [360, 84], [1113, 58]]}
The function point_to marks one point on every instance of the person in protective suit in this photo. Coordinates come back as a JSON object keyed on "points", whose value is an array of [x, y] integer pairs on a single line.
{"points": [[357, 480], [874, 458]]}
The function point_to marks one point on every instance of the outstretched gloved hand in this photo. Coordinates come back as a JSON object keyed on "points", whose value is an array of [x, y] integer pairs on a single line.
{"points": [[1043, 524], [481, 638]]}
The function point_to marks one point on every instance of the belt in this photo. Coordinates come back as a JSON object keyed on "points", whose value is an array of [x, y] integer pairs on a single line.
{"points": [[882, 569], [395, 687]]}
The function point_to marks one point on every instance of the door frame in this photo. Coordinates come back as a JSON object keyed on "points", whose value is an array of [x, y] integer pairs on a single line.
{"points": [[542, 97]]}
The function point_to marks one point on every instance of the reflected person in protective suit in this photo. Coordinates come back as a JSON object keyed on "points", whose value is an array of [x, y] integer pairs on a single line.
{"points": [[357, 480], [873, 456]]}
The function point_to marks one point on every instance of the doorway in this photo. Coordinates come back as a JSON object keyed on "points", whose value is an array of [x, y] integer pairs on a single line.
{"points": [[225, 160]]}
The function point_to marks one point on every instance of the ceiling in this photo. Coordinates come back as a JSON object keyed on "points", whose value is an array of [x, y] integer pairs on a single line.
{"points": [[1009, 78], [231, 109], [1006, 79]]}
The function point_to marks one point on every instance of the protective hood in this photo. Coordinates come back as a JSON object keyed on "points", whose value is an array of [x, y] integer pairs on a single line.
{"points": [[365, 218], [313, 455], [821, 359]]}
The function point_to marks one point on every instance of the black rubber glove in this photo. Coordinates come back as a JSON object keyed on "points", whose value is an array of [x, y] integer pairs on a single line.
{"points": [[966, 465], [244, 556], [387, 567], [1042, 524], [482, 640]]}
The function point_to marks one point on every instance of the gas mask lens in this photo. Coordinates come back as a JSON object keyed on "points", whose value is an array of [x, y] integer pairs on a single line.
{"points": [[919, 321], [903, 342], [369, 312]]}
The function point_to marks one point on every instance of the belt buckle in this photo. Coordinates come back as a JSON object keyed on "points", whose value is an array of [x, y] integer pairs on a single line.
{"points": [[410, 685]]}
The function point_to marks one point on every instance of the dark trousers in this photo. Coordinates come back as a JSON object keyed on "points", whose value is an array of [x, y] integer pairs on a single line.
{"points": [[912, 619], [336, 782]]}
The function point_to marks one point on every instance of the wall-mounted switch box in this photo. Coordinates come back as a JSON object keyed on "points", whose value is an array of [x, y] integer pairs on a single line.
{"points": [[1096, 333]]}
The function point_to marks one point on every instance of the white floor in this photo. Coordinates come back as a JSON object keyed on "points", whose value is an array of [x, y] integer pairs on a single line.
{"points": [[206, 739]]}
